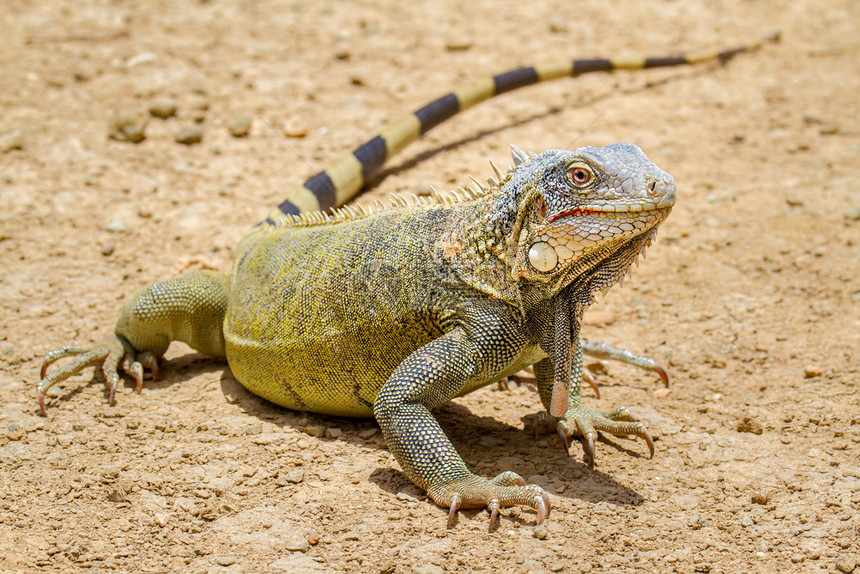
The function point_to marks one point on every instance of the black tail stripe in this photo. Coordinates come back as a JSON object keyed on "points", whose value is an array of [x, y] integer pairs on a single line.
{"points": [[660, 62], [323, 189], [586, 66], [728, 54], [289, 208], [437, 112], [371, 155], [515, 79]]}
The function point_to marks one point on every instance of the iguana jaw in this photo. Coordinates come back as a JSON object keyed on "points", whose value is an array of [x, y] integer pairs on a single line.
{"points": [[605, 210], [571, 242]]}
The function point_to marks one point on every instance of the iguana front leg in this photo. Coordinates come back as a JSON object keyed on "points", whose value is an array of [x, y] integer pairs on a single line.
{"points": [[429, 377], [188, 308], [582, 420]]}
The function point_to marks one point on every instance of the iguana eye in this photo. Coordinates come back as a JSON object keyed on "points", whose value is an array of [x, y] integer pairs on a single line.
{"points": [[579, 175]]}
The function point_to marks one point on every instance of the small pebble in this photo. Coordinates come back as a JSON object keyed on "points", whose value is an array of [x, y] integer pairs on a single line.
{"points": [[541, 533], [749, 424], [140, 59], [115, 227], [296, 543], [189, 135], [162, 108], [117, 495], [127, 126], [107, 249], [829, 129], [810, 371], [846, 563], [760, 498], [200, 105], [11, 140], [16, 434], [747, 521], [295, 129], [333, 433], [559, 26], [240, 126], [458, 45]]}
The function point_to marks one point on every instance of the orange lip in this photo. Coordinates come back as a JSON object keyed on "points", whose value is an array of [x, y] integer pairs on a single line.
{"points": [[574, 211]]}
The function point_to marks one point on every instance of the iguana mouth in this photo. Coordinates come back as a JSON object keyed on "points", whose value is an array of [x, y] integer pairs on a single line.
{"points": [[596, 211]]}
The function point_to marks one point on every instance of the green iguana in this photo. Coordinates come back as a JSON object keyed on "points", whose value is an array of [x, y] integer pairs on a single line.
{"points": [[392, 311]]}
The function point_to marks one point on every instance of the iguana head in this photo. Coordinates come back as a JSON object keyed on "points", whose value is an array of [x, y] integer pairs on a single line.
{"points": [[592, 210]]}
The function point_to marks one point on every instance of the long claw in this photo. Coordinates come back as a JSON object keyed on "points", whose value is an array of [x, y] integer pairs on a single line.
{"points": [[494, 511], [137, 372], [563, 434], [456, 500], [543, 507], [42, 410], [650, 442], [663, 375], [114, 380], [589, 450], [647, 436], [592, 382]]}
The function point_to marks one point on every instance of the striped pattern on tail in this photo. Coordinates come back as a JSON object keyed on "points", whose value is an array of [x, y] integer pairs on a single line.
{"points": [[344, 178]]}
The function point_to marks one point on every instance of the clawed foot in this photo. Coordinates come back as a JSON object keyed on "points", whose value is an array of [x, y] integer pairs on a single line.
{"points": [[114, 353], [507, 489], [586, 422]]}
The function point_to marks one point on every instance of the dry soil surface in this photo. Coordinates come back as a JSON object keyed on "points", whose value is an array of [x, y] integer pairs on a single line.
{"points": [[751, 297]]}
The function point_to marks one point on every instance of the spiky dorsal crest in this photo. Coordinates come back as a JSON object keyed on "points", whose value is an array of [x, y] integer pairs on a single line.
{"points": [[351, 212]]}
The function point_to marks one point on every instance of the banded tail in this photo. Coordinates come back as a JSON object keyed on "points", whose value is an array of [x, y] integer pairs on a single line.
{"points": [[344, 178]]}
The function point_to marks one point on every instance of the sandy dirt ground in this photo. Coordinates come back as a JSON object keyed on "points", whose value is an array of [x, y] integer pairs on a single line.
{"points": [[751, 297]]}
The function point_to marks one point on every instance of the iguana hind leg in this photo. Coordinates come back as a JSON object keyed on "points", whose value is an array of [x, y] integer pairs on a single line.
{"points": [[188, 308], [607, 351]]}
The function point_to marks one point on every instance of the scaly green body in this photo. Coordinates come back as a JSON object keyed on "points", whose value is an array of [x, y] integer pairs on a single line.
{"points": [[359, 293]]}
